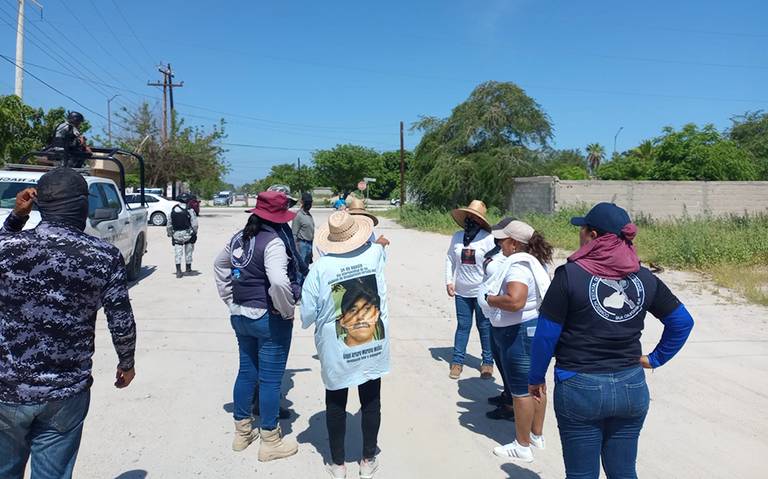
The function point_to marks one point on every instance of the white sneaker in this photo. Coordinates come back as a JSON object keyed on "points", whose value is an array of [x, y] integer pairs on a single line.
{"points": [[514, 450], [368, 468], [538, 441], [337, 472]]}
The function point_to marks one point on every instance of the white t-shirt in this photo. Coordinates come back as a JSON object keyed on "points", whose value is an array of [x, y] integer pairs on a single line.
{"points": [[345, 297], [464, 265], [519, 273]]}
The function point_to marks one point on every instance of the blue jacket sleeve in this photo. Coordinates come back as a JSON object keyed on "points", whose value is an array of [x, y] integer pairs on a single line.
{"points": [[13, 223], [677, 326], [543, 348]]}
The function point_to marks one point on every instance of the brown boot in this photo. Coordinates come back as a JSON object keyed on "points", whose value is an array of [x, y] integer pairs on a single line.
{"points": [[455, 371], [486, 371], [275, 446], [245, 434]]}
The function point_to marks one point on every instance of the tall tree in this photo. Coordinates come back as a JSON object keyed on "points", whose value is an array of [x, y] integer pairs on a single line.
{"points": [[344, 166], [750, 131], [475, 153], [595, 156]]}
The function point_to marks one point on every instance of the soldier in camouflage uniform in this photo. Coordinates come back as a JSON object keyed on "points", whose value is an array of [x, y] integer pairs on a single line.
{"points": [[53, 280]]}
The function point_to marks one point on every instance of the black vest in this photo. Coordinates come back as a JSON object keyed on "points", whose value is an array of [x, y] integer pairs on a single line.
{"points": [[181, 220]]}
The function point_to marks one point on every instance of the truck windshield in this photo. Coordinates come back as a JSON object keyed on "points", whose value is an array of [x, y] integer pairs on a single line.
{"points": [[9, 190]]}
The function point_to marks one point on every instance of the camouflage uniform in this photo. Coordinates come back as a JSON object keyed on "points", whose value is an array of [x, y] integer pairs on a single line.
{"points": [[53, 280]]}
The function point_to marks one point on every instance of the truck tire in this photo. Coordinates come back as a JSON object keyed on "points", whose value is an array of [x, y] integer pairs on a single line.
{"points": [[134, 266], [158, 218]]}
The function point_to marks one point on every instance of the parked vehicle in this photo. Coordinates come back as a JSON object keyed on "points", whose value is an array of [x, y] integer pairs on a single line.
{"points": [[223, 198], [158, 208], [394, 202], [109, 216]]}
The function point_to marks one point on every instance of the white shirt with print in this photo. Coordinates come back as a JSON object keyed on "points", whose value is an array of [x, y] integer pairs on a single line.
{"points": [[343, 365], [464, 265]]}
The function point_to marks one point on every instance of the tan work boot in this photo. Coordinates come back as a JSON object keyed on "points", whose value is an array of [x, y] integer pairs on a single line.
{"points": [[486, 371], [245, 434], [275, 446], [455, 371]]}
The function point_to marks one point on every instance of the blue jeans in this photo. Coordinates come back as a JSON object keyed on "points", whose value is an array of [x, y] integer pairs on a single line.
{"points": [[305, 253], [264, 344], [514, 346], [497, 359], [464, 309], [600, 417], [50, 431]]}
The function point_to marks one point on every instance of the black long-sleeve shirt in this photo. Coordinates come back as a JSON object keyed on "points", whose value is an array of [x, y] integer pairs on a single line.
{"points": [[53, 280]]}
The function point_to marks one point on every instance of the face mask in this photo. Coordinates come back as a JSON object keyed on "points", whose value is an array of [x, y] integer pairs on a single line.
{"points": [[471, 228]]}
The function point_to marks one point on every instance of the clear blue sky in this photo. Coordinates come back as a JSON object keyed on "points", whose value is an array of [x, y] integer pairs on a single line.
{"points": [[307, 74]]}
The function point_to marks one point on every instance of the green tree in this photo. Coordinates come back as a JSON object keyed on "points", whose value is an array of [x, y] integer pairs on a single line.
{"points": [[694, 153], [595, 156], [750, 132], [636, 164], [287, 174], [475, 153], [24, 128], [342, 167], [192, 154]]}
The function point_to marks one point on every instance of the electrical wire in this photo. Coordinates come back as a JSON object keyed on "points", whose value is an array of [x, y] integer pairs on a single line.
{"points": [[73, 100], [133, 32], [114, 35]]}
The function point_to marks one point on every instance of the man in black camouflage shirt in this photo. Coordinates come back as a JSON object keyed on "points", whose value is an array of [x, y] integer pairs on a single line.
{"points": [[53, 280]]}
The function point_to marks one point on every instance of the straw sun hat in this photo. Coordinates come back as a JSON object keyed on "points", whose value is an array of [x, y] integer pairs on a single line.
{"points": [[344, 233], [476, 210], [356, 206]]}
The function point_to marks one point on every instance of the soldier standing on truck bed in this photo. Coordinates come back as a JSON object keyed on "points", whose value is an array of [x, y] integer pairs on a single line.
{"points": [[182, 229], [70, 142]]}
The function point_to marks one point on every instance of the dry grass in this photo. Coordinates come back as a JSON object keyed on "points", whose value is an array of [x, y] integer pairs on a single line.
{"points": [[750, 281]]}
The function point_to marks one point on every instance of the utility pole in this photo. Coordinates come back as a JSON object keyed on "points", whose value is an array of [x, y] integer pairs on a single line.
{"points": [[301, 183], [402, 167], [168, 86], [19, 86], [616, 137], [109, 118]]}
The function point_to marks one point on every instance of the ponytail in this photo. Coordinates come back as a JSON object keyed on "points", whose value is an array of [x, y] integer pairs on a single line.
{"points": [[540, 249], [252, 228]]}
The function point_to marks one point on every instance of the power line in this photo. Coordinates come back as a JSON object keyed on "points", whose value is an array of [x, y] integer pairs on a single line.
{"points": [[114, 35], [265, 147], [133, 32], [98, 42], [12, 62]]}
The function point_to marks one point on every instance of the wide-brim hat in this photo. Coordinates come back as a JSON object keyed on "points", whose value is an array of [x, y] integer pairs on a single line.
{"points": [[476, 210], [344, 233], [356, 206], [273, 206]]}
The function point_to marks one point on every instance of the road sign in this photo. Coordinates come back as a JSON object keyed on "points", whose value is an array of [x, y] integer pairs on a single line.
{"points": [[362, 186], [369, 180]]}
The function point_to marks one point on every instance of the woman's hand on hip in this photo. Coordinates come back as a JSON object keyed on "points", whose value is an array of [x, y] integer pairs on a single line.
{"points": [[645, 362], [451, 290]]}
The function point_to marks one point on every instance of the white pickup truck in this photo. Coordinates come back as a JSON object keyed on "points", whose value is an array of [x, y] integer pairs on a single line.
{"points": [[109, 218]]}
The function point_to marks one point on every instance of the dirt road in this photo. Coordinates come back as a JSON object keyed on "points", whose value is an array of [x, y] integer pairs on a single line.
{"points": [[708, 418]]}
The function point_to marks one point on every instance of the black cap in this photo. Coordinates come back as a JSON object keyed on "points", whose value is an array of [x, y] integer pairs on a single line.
{"points": [[61, 184], [604, 217], [306, 198], [503, 223], [75, 117]]}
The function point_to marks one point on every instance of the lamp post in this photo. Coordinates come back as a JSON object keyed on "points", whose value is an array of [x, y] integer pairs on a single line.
{"points": [[615, 137], [109, 118]]}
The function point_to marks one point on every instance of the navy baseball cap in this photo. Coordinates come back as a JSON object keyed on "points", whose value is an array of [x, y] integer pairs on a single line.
{"points": [[604, 217]]}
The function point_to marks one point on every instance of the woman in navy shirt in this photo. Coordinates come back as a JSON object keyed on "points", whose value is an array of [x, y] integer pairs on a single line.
{"points": [[591, 320]]}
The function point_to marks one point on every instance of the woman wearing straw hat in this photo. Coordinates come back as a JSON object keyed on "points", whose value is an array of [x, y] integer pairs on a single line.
{"points": [[463, 276], [256, 276], [345, 297], [510, 298], [356, 206]]}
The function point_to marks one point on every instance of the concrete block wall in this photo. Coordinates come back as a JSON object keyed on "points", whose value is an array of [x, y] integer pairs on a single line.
{"points": [[656, 199], [535, 194]]}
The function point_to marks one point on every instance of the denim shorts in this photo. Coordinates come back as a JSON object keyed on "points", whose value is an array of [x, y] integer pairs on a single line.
{"points": [[514, 346]]}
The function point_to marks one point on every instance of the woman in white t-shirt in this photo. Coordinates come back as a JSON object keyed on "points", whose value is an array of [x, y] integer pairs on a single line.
{"points": [[524, 283], [463, 277]]}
